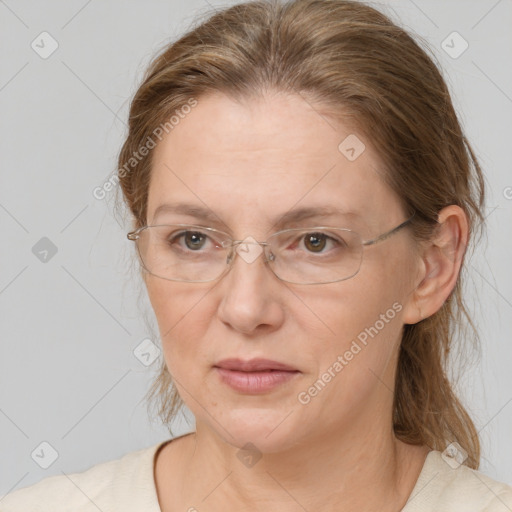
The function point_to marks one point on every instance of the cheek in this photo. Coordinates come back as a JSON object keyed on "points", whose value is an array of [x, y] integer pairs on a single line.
{"points": [[339, 312], [182, 319], [357, 358], [358, 319]]}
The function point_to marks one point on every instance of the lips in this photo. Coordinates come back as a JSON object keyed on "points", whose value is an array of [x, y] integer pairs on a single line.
{"points": [[255, 376], [254, 365]]}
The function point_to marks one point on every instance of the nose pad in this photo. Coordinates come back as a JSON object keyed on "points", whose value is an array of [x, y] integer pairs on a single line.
{"points": [[249, 251]]}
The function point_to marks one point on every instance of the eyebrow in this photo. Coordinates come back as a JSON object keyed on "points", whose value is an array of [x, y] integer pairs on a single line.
{"points": [[289, 217]]}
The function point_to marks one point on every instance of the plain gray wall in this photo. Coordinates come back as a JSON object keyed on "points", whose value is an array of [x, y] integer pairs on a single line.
{"points": [[68, 373]]}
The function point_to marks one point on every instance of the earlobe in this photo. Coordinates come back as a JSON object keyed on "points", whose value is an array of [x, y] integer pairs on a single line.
{"points": [[441, 260]]}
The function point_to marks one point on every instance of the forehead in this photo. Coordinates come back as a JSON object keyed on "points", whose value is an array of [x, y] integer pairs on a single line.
{"points": [[247, 162]]}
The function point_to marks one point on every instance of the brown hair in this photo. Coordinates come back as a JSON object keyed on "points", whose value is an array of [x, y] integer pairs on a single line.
{"points": [[355, 61]]}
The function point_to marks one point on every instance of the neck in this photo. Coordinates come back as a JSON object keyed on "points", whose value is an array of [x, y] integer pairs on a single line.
{"points": [[352, 471]]}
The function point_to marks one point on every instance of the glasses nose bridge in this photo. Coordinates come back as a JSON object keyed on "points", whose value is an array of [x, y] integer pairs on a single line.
{"points": [[253, 241], [234, 244]]}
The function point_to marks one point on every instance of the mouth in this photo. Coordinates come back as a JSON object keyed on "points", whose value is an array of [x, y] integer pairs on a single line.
{"points": [[255, 376], [254, 365]]}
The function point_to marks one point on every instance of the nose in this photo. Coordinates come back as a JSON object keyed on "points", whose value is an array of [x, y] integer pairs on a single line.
{"points": [[250, 291]]}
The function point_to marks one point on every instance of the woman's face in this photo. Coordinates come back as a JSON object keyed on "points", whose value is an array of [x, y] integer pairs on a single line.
{"points": [[249, 164]]}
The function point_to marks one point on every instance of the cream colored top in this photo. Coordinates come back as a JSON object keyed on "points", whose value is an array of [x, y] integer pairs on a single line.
{"points": [[127, 485]]}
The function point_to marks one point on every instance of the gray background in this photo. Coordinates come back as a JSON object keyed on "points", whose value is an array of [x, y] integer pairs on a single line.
{"points": [[68, 373]]}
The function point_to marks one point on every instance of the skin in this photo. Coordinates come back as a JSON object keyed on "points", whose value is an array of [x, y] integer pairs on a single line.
{"points": [[249, 163]]}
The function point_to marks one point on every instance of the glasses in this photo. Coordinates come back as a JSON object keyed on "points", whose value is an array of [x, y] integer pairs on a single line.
{"points": [[198, 254]]}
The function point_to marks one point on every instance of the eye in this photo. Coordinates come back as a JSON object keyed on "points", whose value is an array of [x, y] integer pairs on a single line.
{"points": [[316, 242], [193, 240]]}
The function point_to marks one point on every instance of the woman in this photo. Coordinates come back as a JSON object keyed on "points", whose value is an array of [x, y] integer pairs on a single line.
{"points": [[303, 197]]}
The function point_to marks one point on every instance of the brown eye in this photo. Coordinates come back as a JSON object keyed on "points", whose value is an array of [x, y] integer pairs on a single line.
{"points": [[315, 241]]}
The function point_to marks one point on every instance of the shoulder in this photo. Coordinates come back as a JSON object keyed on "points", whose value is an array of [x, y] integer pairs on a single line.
{"points": [[444, 485], [122, 484]]}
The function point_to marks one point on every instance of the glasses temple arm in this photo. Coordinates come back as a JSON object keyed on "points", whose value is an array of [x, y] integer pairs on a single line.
{"points": [[389, 233]]}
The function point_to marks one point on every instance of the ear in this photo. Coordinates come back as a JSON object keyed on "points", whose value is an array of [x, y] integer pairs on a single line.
{"points": [[440, 262]]}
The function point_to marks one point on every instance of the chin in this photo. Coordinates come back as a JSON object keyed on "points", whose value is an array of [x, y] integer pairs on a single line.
{"points": [[268, 430]]}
